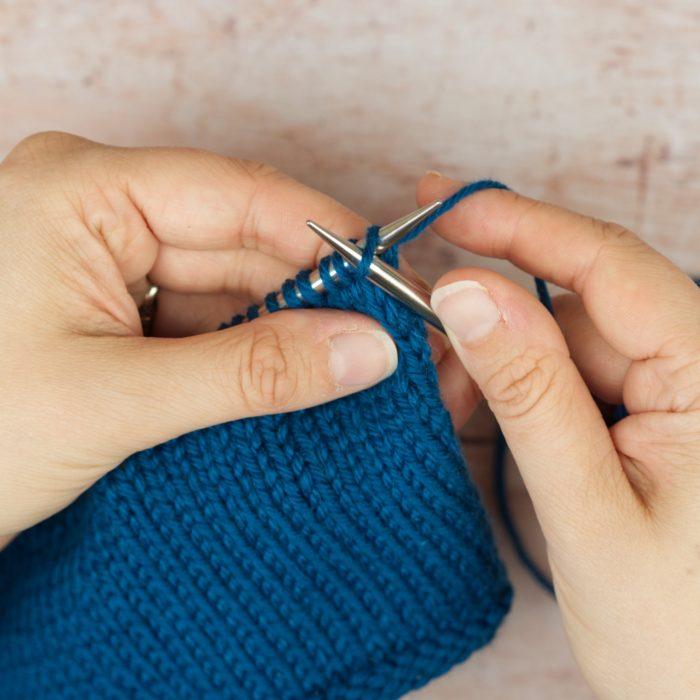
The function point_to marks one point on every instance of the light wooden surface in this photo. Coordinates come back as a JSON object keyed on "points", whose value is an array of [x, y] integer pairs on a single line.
{"points": [[591, 104]]}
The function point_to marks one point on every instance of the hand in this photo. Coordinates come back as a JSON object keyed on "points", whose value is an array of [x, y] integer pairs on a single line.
{"points": [[619, 507], [81, 226]]}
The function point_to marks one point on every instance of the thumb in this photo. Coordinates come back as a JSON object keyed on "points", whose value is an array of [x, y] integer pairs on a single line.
{"points": [[154, 389], [515, 352]]}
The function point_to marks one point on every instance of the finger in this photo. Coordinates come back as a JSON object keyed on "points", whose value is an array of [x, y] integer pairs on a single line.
{"points": [[242, 272], [659, 452], [602, 368], [236, 271], [458, 391], [153, 389], [198, 200], [514, 351], [134, 199], [638, 300]]}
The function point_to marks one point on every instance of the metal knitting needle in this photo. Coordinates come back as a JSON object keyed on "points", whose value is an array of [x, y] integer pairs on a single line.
{"points": [[388, 235], [384, 276]]}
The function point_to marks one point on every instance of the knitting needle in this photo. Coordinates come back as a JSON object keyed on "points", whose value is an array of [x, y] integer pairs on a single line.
{"points": [[388, 235], [384, 276]]}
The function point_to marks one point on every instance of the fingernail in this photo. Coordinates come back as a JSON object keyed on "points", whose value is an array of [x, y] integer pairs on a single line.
{"points": [[467, 309], [436, 173], [362, 358]]}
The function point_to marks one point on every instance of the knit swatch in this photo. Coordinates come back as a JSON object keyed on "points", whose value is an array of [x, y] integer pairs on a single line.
{"points": [[335, 552]]}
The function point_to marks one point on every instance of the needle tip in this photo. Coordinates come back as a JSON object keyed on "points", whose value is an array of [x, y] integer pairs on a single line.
{"points": [[392, 233], [347, 249]]}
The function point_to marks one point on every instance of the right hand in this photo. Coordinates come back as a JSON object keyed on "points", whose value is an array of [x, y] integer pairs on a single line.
{"points": [[619, 507]]}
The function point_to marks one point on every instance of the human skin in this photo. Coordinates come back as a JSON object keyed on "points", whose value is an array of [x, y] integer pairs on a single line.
{"points": [[82, 224], [619, 506]]}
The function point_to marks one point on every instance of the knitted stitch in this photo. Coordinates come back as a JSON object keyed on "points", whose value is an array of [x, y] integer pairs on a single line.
{"points": [[335, 552]]}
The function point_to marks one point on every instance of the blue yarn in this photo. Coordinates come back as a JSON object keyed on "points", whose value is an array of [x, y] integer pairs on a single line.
{"points": [[453, 200], [337, 552]]}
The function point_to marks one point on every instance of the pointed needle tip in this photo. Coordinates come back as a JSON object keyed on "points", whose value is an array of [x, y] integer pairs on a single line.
{"points": [[346, 248], [392, 233]]}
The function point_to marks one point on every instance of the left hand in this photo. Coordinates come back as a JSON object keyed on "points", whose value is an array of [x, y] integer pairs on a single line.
{"points": [[81, 226]]}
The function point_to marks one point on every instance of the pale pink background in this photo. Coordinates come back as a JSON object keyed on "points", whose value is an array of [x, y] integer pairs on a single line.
{"points": [[593, 104]]}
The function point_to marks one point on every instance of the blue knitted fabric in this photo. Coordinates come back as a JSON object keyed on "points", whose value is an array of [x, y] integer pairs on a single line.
{"points": [[335, 552]]}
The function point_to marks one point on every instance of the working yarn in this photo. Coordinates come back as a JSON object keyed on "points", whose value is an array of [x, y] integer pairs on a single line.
{"points": [[335, 552]]}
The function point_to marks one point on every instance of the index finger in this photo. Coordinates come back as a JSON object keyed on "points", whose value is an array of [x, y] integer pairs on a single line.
{"points": [[198, 200], [641, 303], [189, 199]]}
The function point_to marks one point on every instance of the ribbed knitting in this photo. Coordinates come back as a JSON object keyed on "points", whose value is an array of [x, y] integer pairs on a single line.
{"points": [[335, 552]]}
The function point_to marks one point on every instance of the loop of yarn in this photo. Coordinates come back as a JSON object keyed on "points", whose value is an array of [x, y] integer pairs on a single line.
{"points": [[290, 295], [370, 249], [303, 284]]}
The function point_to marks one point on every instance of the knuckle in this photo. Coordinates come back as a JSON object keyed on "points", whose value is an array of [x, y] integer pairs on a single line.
{"points": [[672, 383], [616, 246], [520, 387], [531, 209], [270, 369], [216, 163], [260, 176], [613, 234], [43, 145], [256, 170]]}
